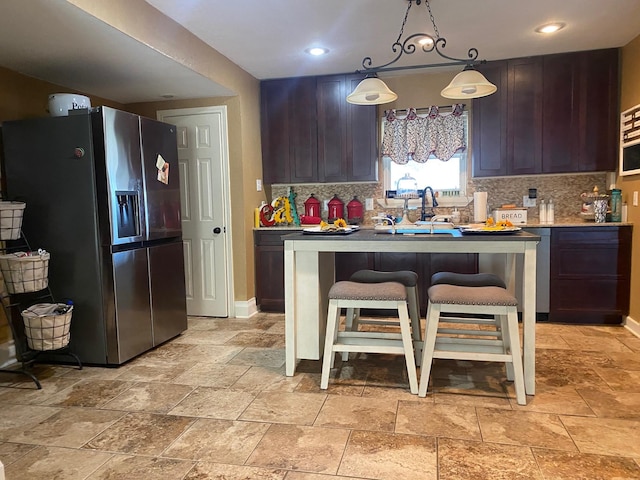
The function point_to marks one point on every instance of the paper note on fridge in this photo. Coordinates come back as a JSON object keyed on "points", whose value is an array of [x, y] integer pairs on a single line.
{"points": [[163, 170], [160, 162]]}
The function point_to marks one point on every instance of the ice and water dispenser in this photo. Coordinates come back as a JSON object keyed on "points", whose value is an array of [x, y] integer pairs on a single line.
{"points": [[128, 214]]}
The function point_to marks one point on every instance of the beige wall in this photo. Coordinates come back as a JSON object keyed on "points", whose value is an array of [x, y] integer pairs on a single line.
{"points": [[25, 97], [630, 96], [141, 21]]}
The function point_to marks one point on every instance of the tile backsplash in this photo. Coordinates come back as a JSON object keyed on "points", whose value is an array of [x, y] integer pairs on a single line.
{"points": [[565, 191]]}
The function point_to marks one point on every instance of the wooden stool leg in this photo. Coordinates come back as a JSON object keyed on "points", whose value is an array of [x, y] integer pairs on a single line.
{"points": [[506, 343], [333, 318], [431, 331], [407, 342], [356, 318], [516, 356], [414, 315], [414, 312], [350, 324]]}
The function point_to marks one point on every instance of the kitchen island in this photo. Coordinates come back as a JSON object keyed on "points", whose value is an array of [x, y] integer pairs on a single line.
{"points": [[310, 272]]}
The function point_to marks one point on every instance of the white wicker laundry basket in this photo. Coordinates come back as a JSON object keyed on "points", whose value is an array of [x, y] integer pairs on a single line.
{"points": [[11, 219], [46, 325], [24, 272]]}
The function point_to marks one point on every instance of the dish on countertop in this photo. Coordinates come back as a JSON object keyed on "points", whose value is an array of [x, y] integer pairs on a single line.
{"points": [[330, 231], [490, 230]]}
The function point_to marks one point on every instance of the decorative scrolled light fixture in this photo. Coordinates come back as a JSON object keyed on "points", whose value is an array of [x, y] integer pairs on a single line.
{"points": [[467, 84]]}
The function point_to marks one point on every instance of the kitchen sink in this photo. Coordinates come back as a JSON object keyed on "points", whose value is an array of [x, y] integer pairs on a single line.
{"points": [[427, 232], [439, 228]]}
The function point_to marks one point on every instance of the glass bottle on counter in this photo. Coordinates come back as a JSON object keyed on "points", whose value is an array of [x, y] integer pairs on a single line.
{"points": [[550, 211], [542, 212], [616, 205]]}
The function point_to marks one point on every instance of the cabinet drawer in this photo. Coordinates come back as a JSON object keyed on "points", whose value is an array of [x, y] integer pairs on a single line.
{"points": [[591, 235], [582, 295], [270, 237], [594, 261]]}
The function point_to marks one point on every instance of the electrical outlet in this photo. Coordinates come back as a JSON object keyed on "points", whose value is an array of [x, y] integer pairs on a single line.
{"points": [[368, 203], [528, 202], [258, 185]]}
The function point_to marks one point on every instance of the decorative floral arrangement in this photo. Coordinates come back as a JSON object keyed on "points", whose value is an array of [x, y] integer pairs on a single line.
{"points": [[490, 224], [336, 225]]}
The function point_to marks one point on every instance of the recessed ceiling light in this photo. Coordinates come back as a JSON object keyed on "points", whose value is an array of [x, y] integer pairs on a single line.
{"points": [[317, 51], [550, 27]]}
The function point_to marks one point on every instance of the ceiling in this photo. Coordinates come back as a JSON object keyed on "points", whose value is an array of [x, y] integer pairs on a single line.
{"points": [[55, 41]]}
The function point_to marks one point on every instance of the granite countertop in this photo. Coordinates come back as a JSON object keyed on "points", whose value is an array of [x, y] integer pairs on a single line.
{"points": [[567, 223]]}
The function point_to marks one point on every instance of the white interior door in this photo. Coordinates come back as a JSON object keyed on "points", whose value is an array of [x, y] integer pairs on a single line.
{"points": [[203, 162]]}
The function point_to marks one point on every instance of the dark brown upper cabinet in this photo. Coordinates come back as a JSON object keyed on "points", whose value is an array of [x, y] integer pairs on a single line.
{"points": [[507, 125], [362, 137], [489, 148], [288, 126], [551, 114], [581, 111], [310, 134]]}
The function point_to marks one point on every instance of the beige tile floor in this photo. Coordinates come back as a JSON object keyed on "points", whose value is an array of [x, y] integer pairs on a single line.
{"points": [[215, 404]]}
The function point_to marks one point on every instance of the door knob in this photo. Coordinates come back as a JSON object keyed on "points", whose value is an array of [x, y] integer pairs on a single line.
{"points": [[217, 230]]}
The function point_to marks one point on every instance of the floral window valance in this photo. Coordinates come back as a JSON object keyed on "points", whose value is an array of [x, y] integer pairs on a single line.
{"points": [[417, 137]]}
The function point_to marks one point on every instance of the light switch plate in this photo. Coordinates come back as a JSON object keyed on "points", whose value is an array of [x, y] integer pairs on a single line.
{"points": [[635, 199], [368, 202], [258, 185], [528, 202]]}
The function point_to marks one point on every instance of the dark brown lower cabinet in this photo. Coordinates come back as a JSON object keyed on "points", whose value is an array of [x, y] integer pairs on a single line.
{"points": [[269, 269], [590, 274], [269, 265]]}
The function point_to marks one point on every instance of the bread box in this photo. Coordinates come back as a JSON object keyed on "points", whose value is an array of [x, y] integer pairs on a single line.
{"points": [[517, 216]]}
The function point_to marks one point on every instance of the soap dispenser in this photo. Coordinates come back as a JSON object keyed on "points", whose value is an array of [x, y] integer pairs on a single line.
{"points": [[543, 212], [550, 211], [455, 216]]}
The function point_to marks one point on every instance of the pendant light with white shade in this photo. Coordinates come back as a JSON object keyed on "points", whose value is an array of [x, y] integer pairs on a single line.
{"points": [[371, 91], [467, 84]]}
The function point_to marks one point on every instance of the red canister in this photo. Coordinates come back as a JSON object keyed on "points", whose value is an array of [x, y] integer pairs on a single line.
{"points": [[336, 209], [355, 212], [312, 207]]}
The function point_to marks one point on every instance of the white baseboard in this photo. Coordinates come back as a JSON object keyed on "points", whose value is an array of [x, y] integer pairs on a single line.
{"points": [[246, 309], [633, 326], [7, 354]]}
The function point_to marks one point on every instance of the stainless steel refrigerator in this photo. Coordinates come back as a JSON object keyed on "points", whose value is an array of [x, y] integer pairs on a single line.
{"points": [[103, 197]]}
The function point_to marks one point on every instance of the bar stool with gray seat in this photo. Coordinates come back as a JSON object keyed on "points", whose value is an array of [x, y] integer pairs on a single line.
{"points": [[471, 280], [468, 279], [353, 295], [410, 281], [455, 343]]}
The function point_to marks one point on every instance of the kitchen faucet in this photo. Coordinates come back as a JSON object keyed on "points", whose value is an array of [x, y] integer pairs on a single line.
{"points": [[390, 221], [434, 203], [438, 217]]}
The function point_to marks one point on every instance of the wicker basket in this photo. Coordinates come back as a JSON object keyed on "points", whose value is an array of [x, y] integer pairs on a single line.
{"points": [[46, 325], [25, 273], [11, 219]]}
